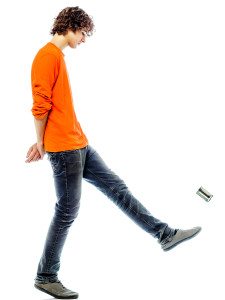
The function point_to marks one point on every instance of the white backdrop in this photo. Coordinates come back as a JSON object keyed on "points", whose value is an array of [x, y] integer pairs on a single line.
{"points": [[148, 90]]}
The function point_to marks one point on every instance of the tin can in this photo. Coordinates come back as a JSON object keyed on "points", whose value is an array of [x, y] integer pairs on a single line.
{"points": [[203, 193]]}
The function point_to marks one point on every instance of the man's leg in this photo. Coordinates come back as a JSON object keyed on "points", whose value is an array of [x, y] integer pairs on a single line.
{"points": [[67, 172], [97, 173]]}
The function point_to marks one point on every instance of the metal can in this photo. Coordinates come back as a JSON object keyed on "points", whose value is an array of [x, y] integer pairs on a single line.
{"points": [[203, 193]]}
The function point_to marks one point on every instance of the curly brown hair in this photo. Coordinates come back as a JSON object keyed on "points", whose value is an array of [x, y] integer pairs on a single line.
{"points": [[73, 18]]}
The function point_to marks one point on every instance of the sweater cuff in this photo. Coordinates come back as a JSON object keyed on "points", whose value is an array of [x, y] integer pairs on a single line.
{"points": [[41, 106]]}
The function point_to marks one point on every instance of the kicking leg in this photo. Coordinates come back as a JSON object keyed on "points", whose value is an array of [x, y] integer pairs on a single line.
{"points": [[97, 173]]}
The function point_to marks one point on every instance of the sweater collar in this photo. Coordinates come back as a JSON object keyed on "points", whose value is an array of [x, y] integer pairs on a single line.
{"points": [[58, 49]]}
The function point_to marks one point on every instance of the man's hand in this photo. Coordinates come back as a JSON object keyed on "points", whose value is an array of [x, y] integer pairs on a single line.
{"points": [[35, 152]]}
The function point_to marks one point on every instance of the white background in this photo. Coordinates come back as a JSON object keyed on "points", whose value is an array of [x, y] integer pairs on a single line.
{"points": [[148, 90]]}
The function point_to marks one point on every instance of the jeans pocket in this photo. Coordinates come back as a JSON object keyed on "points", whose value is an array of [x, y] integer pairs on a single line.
{"points": [[73, 161], [55, 161]]}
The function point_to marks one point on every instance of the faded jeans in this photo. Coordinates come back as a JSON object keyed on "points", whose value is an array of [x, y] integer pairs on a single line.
{"points": [[69, 168]]}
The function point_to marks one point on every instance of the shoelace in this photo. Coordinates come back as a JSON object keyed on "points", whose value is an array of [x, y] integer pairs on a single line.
{"points": [[61, 284], [166, 240]]}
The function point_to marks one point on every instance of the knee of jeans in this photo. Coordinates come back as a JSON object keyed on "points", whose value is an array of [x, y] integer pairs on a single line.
{"points": [[67, 217], [121, 189]]}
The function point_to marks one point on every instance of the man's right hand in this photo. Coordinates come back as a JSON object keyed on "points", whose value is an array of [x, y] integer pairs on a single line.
{"points": [[35, 152]]}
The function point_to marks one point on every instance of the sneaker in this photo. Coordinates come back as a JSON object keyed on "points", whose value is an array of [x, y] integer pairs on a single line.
{"points": [[179, 237], [56, 289]]}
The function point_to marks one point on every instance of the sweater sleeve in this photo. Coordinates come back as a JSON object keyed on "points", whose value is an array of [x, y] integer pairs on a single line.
{"points": [[44, 73]]}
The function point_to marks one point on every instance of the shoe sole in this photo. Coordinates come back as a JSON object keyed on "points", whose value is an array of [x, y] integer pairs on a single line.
{"points": [[53, 295], [188, 238]]}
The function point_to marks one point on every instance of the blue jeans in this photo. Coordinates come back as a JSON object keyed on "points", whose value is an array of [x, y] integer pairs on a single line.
{"points": [[69, 168]]}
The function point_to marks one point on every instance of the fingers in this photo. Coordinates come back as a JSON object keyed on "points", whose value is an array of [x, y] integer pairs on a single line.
{"points": [[29, 151], [35, 153], [30, 155], [33, 156], [37, 156]]}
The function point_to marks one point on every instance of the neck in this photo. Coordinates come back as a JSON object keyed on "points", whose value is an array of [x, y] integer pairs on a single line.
{"points": [[60, 41]]}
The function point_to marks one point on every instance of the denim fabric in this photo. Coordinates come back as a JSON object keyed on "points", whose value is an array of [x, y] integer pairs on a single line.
{"points": [[69, 168]]}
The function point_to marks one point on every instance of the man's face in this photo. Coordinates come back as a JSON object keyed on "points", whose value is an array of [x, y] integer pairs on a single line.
{"points": [[76, 38]]}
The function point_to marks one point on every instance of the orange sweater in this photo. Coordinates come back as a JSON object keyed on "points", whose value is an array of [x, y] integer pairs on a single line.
{"points": [[52, 95]]}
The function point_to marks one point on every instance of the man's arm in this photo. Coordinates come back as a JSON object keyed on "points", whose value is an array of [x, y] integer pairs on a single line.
{"points": [[36, 151], [44, 73], [40, 125]]}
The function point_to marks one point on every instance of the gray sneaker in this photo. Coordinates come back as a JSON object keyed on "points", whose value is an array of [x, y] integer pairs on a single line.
{"points": [[56, 289], [179, 237]]}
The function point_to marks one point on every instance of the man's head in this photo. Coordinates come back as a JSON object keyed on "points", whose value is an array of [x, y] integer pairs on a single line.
{"points": [[73, 23]]}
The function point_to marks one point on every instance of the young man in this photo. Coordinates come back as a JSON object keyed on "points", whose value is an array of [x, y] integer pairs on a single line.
{"points": [[59, 134]]}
